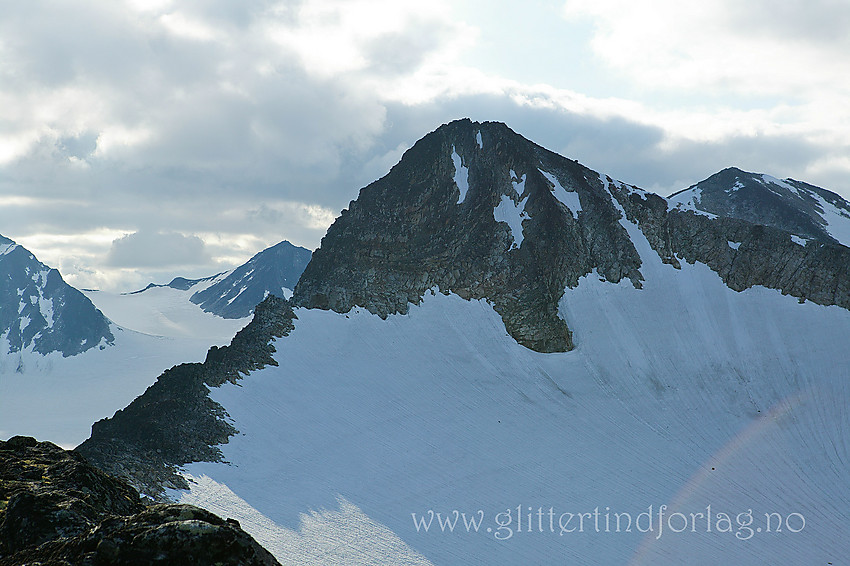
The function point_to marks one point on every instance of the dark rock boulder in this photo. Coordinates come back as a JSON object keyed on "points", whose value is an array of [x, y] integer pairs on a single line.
{"points": [[56, 508]]}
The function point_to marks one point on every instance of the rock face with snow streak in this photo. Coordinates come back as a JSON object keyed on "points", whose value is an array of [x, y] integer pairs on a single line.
{"points": [[39, 310], [743, 253], [477, 210]]}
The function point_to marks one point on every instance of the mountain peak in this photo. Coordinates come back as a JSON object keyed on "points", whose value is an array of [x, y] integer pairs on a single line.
{"points": [[274, 270], [799, 208], [39, 310], [515, 226], [478, 210]]}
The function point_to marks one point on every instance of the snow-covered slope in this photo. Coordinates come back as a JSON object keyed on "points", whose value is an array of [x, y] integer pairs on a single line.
{"points": [[619, 361], [683, 393], [167, 311], [57, 398]]}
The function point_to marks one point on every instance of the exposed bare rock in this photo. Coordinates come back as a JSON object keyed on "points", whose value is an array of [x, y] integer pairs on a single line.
{"points": [[175, 422], [57, 509]]}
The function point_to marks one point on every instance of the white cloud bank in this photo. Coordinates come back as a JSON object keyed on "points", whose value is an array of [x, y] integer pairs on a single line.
{"points": [[157, 249]]}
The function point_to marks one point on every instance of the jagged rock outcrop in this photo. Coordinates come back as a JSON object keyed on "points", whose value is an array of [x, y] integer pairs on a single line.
{"points": [[56, 508], [39, 310], [175, 422], [480, 211]]}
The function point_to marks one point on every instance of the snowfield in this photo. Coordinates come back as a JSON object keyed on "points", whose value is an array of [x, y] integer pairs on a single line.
{"points": [[57, 399], [567, 198], [725, 412], [837, 220], [164, 311], [688, 201], [461, 177]]}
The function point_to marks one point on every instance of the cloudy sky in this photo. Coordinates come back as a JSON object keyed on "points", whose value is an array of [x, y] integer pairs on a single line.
{"points": [[143, 139]]}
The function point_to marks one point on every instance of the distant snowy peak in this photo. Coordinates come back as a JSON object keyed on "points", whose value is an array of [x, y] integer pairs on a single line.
{"points": [[38, 310], [234, 294], [273, 271], [802, 209]]}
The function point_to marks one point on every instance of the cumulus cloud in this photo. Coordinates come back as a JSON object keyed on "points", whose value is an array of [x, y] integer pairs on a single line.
{"points": [[157, 249], [758, 47], [761, 75]]}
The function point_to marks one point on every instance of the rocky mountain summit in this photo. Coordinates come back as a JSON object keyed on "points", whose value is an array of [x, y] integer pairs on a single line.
{"points": [[56, 508], [478, 210], [39, 310]]}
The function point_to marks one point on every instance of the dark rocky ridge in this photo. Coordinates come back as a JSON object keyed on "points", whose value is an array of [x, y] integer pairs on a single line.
{"points": [[71, 324], [766, 256], [174, 422], [56, 508], [406, 233]]}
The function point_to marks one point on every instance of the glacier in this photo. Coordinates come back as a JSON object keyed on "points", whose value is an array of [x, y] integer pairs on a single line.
{"points": [[684, 394], [58, 398]]}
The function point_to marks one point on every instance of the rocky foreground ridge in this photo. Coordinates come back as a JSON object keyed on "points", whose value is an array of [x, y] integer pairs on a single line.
{"points": [[175, 422], [57, 509]]}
